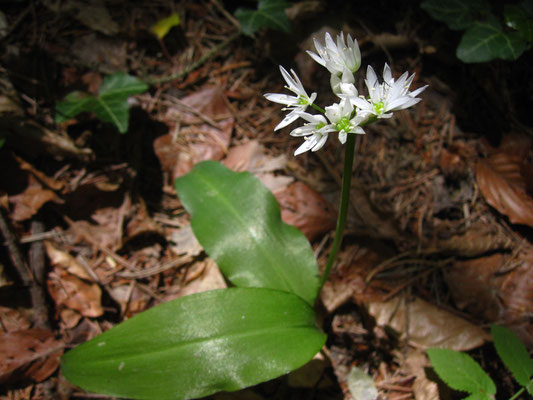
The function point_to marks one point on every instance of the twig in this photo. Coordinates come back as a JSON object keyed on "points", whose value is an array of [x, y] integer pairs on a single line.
{"points": [[17, 258], [211, 53], [38, 267]]}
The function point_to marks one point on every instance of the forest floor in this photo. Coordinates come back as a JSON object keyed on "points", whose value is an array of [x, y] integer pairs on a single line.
{"points": [[438, 243]]}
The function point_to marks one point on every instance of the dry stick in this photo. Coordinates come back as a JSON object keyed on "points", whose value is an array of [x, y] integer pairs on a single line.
{"points": [[40, 312], [38, 267], [212, 52]]}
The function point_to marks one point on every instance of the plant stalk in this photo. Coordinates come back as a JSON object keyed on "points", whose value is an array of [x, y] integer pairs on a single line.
{"points": [[343, 208], [517, 394]]}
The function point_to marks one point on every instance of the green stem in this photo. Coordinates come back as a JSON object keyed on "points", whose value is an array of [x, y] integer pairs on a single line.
{"points": [[517, 394], [318, 108], [343, 209]]}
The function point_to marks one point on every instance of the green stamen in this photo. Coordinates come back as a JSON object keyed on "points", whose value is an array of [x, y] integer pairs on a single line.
{"points": [[379, 107], [343, 124]]}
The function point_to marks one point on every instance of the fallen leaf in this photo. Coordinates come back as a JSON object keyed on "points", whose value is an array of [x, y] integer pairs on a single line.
{"points": [[498, 288], [29, 202], [200, 139], [28, 354], [12, 320], [64, 260], [306, 209], [72, 292], [163, 26], [502, 182], [429, 326]]}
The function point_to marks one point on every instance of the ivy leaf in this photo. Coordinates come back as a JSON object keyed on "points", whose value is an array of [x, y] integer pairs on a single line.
{"points": [[460, 372], [111, 104], [454, 13], [269, 14], [516, 18], [485, 41], [513, 353], [222, 340], [238, 222]]}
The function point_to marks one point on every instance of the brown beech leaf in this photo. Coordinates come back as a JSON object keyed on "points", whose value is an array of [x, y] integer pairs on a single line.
{"points": [[306, 209], [28, 354], [65, 260], [429, 326], [504, 188], [498, 288], [72, 292]]}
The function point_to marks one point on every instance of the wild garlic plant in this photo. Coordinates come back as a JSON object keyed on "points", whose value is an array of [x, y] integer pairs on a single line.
{"points": [[348, 116]]}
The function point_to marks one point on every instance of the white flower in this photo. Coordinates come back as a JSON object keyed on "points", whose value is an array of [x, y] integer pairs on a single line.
{"points": [[315, 132], [335, 57], [295, 104], [340, 116], [389, 95], [337, 82]]}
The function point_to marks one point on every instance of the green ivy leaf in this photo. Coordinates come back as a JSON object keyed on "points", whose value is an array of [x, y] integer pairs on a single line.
{"points": [[460, 372], [485, 41], [111, 104], [454, 13], [516, 18], [221, 340], [513, 353], [269, 14], [238, 222]]}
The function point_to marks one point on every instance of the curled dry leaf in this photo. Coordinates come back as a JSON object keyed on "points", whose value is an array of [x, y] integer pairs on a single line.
{"points": [[306, 209], [65, 260], [502, 183], [28, 354], [428, 326]]}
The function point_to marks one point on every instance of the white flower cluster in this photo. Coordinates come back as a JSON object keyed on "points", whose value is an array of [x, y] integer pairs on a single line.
{"points": [[342, 59]]}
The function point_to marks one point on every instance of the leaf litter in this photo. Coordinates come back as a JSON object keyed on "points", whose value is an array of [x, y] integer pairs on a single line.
{"points": [[437, 244]]}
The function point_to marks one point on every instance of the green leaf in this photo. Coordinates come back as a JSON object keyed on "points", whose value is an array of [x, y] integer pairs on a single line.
{"points": [[198, 345], [529, 388], [238, 222], [269, 14], [111, 104], [460, 372], [513, 353], [455, 13], [527, 5], [485, 41], [516, 18]]}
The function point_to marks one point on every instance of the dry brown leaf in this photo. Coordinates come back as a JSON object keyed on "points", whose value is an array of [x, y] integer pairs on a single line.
{"points": [[498, 288], [501, 182], [31, 353], [29, 202], [72, 292], [306, 209], [200, 139], [12, 320], [428, 326], [347, 280], [64, 260]]}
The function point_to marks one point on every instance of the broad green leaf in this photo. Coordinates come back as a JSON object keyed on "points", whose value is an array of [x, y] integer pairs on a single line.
{"points": [[163, 26], [269, 14], [111, 104], [454, 13], [238, 222], [485, 41], [517, 18], [221, 340], [513, 353], [529, 388], [460, 372]]}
